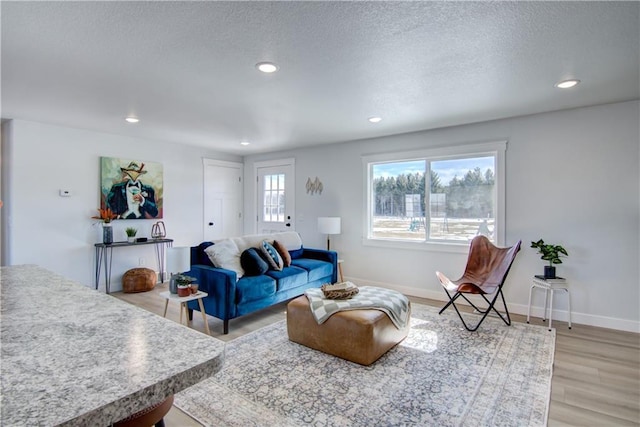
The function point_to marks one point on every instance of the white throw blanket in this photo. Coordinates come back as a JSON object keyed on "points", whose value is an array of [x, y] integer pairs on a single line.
{"points": [[391, 302]]}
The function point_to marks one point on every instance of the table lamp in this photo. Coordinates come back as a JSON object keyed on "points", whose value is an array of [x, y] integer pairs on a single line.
{"points": [[178, 261], [329, 225]]}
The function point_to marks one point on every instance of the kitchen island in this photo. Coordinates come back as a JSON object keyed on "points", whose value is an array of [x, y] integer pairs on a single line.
{"points": [[72, 356]]}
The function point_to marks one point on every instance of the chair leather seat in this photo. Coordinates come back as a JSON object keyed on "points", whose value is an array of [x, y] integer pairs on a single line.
{"points": [[153, 415], [485, 273]]}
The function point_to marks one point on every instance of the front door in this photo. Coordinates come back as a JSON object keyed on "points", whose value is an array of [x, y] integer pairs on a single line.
{"points": [[276, 192]]}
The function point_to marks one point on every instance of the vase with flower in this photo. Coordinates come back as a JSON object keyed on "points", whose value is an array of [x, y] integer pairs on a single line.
{"points": [[106, 216]]}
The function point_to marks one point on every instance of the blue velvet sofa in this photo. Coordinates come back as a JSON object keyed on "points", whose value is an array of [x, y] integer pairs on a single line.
{"points": [[230, 297]]}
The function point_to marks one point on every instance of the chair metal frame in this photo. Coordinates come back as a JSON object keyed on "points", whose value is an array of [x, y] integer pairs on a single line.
{"points": [[484, 283]]}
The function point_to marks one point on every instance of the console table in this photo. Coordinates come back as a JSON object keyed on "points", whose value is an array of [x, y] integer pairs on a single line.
{"points": [[72, 356], [104, 251]]}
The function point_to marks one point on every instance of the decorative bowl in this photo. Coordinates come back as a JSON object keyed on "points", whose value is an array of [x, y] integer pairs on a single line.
{"points": [[330, 292]]}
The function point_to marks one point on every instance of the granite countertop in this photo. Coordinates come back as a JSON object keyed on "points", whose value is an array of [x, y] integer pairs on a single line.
{"points": [[72, 356]]}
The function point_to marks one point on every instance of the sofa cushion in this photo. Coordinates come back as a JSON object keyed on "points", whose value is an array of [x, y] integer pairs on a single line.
{"points": [[290, 239], [252, 288], [252, 263], [289, 277], [225, 254], [271, 255], [317, 269], [283, 252]]}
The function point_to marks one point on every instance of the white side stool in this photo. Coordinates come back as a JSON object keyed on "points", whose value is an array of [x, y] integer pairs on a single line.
{"points": [[183, 305], [553, 285]]}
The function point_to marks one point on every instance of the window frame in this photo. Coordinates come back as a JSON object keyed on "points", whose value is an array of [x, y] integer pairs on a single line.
{"points": [[479, 149]]}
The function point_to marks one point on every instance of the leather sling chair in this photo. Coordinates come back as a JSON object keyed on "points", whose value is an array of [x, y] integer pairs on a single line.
{"points": [[485, 273]]}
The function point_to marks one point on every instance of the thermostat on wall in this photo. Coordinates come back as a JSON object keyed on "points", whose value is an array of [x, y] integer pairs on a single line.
{"points": [[65, 193]]}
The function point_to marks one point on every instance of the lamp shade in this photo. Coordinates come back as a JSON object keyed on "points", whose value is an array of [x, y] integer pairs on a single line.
{"points": [[329, 224], [178, 259]]}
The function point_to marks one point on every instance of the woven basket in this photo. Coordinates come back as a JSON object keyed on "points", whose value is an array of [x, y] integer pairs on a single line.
{"points": [[339, 294]]}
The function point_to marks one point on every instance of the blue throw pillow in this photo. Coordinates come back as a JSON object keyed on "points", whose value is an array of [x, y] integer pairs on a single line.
{"points": [[203, 258], [252, 263], [271, 255], [296, 253]]}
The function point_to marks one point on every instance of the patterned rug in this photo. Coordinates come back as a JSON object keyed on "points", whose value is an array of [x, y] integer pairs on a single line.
{"points": [[440, 375]]}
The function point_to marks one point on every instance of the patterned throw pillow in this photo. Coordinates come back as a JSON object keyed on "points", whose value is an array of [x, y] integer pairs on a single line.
{"points": [[270, 255], [284, 253], [252, 263]]}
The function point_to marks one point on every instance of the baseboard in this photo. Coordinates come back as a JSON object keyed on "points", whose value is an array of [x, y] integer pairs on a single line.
{"points": [[560, 315]]}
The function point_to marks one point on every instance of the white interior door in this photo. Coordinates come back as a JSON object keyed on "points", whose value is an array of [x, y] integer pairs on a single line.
{"points": [[276, 193], [222, 199]]}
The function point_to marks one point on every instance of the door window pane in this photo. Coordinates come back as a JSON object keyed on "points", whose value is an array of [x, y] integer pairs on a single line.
{"points": [[274, 200]]}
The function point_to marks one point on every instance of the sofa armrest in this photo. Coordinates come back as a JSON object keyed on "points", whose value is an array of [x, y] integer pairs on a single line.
{"points": [[220, 284], [324, 255]]}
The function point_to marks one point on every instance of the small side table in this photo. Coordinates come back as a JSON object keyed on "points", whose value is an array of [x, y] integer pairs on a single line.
{"points": [[340, 262], [549, 285], [183, 305]]}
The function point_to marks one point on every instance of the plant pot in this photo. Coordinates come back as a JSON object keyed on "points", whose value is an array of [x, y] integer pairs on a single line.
{"points": [[107, 234], [173, 284], [184, 291], [131, 239], [549, 272]]}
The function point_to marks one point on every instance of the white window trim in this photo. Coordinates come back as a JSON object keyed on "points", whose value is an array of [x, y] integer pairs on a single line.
{"points": [[494, 148]]}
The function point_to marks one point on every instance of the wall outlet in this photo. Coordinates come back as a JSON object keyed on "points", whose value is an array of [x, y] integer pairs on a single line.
{"points": [[141, 262]]}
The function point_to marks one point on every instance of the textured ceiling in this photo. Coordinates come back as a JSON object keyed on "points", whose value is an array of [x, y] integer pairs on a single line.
{"points": [[187, 69]]}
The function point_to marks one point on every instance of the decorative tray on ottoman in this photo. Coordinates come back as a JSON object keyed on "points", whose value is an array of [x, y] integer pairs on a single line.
{"points": [[343, 290]]}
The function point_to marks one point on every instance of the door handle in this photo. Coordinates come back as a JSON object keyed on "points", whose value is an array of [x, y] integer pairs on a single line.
{"points": [[288, 224], [211, 223]]}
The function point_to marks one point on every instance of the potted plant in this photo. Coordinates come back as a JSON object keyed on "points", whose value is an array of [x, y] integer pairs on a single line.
{"points": [[106, 216], [183, 283], [551, 253], [131, 234]]}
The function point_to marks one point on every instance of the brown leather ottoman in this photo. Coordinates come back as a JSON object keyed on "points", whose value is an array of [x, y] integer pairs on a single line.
{"points": [[361, 336], [139, 280]]}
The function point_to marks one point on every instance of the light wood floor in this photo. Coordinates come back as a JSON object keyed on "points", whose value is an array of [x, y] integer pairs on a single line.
{"points": [[596, 373]]}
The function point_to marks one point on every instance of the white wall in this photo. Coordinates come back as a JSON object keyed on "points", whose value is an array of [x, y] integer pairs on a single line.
{"points": [[572, 179], [57, 232]]}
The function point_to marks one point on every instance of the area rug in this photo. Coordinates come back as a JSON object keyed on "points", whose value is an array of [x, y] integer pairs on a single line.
{"points": [[440, 375]]}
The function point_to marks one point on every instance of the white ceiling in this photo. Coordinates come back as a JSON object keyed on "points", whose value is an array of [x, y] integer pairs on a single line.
{"points": [[187, 69]]}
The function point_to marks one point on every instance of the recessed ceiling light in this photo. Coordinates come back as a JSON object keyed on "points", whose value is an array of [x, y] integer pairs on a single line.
{"points": [[132, 119], [245, 143], [566, 84], [375, 119], [267, 67]]}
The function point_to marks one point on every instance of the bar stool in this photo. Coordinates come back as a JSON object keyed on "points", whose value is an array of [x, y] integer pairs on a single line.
{"points": [[549, 285]]}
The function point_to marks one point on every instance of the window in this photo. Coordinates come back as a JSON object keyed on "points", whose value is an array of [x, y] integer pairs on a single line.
{"points": [[447, 195]]}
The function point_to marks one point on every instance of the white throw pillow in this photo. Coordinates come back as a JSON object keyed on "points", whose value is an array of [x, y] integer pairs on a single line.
{"points": [[225, 254]]}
